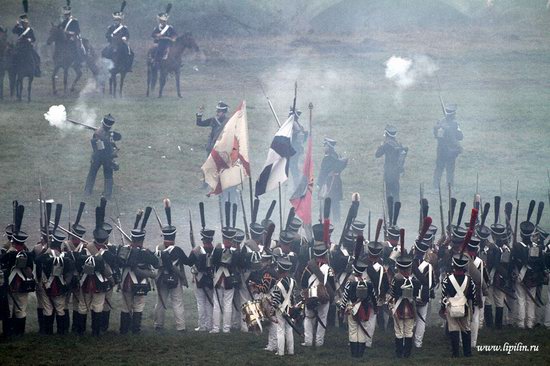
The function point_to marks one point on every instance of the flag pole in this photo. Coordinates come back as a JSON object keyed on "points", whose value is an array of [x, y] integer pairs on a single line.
{"points": [[310, 107], [221, 210]]}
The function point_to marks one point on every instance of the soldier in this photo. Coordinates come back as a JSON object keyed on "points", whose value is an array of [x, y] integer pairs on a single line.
{"points": [[164, 35], [424, 272], [200, 259], [448, 135], [26, 39], [394, 160], [458, 298], [478, 273], [283, 301], [39, 249], [527, 260], [118, 34], [359, 304], [104, 153], [225, 260], [318, 283], [94, 263], [171, 275], [340, 258], [17, 265], [378, 276], [71, 249], [216, 124], [57, 271], [329, 181], [401, 303], [138, 268], [241, 294], [71, 28]]}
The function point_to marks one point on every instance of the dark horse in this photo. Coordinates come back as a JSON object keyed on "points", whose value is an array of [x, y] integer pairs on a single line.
{"points": [[65, 56], [122, 56], [170, 64], [6, 52], [22, 66]]}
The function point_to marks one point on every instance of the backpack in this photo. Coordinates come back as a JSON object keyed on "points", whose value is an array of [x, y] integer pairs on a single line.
{"points": [[456, 305]]}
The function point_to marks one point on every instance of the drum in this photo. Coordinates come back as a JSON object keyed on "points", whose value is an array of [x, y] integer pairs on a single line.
{"points": [[253, 315]]}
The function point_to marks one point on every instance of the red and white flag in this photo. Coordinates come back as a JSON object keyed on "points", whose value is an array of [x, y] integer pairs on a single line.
{"points": [[228, 161], [301, 200]]}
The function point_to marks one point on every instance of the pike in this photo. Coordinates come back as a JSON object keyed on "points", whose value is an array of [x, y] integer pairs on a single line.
{"points": [[41, 204], [124, 235], [270, 105]]}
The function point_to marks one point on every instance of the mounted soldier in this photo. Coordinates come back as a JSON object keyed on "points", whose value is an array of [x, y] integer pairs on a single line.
{"points": [[26, 40], [164, 35], [71, 29]]}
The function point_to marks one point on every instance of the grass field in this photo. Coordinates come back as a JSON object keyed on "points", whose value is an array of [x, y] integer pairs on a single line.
{"points": [[498, 75]]}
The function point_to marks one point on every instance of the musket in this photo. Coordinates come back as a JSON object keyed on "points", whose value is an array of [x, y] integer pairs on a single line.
{"points": [[384, 204], [124, 235], [270, 105], [548, 173], [69, 234], [158, 218], [440, 97], [118, 220], [41, 204], [368, 230], [517, 214], [441, 212], [81, 124], [191, 236], [421, 220], [245, 222], [294, 101], [70, 207]]}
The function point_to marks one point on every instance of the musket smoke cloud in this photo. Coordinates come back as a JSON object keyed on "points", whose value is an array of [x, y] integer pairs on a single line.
{"points": [[405, 72], [56, 116]]}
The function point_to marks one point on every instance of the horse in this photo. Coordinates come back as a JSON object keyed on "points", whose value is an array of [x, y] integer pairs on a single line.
{"points": [[23, 66], [122, 57], [65, 56], [4, 45], [170, 64]]}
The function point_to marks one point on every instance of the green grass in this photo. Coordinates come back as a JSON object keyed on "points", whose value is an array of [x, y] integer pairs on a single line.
{"points": [[497, 75]]}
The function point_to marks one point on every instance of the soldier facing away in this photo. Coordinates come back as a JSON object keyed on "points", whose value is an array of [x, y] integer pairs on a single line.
{"points": [[394, 160], [448, 135], [104, 153], [329, 181]]}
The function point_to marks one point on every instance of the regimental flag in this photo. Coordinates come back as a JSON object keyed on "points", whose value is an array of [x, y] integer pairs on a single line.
{"points": [[275, 169], [228, 161], [301, 200]]}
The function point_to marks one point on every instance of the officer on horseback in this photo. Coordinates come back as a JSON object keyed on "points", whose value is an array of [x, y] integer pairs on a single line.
{"points": [[118, 35], [71, 28], [164, 35], [26, 39]]}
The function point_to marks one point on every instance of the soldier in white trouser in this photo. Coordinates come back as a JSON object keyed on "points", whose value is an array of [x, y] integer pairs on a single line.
{"points": [[201, 261], [282, 301], [224, 259], [171, 278], [317, 275]]}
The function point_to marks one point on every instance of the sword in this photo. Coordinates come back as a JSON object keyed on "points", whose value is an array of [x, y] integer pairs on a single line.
{"points": [[207, 297], [218, 298], [319, 319], [291, 323]]}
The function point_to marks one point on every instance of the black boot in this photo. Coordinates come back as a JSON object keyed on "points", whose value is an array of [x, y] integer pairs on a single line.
{"points": [[408, 347], [40, 316], [136, 322], [61, 320], [361, 349], [467, 344], [74, 326], [399, 347], [380, 320], [125, 320], [66, 322], [488, 315], [105, 320], [82, 318], [7, 327], [353, 349], [455, 343], [96, 323], [48, 324], [499, 314], [19, 326], [331, 316]]}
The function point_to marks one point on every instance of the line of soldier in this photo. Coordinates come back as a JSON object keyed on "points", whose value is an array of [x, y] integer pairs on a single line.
{"points": [[285, 285]]}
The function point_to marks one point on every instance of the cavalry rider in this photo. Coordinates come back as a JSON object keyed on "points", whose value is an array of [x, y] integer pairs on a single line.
{"points": [[164, 35], [71, 29], [26, 38], [118, 35]]}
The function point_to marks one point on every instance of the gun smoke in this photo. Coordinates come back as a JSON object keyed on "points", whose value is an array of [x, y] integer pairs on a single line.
{"points": [[56, 117], [405, 72]]}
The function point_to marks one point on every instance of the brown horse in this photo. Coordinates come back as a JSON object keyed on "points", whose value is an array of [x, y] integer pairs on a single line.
{"points": [[170, 64], [65, 56]]}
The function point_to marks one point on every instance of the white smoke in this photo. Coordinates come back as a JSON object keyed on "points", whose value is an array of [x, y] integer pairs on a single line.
{"points": [[405, 72], [57, 116]]}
